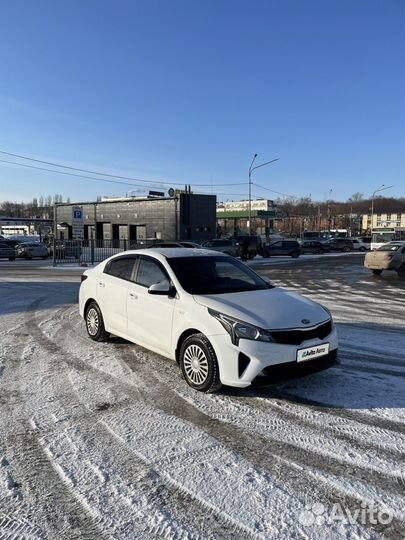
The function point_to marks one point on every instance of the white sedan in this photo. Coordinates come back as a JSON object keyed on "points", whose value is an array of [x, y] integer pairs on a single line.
{"points": [[219, 320]]}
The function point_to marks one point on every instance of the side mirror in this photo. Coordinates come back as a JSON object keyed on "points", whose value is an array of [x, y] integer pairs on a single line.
{"points": [[163, 288]]}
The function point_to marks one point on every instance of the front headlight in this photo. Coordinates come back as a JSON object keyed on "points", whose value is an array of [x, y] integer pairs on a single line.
{"points": [[240, 330]]}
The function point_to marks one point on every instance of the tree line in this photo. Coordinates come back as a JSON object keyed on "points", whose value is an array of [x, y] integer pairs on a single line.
{"points": [[40, 207]]}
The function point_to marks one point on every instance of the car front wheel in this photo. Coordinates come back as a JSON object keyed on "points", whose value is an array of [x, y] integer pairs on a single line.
{"points": [[401, 271], [95, 323], [199, 364]]}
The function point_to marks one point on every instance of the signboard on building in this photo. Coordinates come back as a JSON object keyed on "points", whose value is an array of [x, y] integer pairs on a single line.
{"points": [[77, 223]]}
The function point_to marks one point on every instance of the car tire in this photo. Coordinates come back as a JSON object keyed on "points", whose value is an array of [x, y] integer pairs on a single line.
{"points": [[321, 251], [377, 272], [362, 248], [199, 364], [265, 254], [45, 257], [95, 323], [346, 249], [295, 254], [401, 271], [11, 258]]}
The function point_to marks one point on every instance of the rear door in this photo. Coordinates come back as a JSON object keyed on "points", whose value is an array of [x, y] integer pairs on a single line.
{"points": [[150, 317], [276, 248], [112, 292]]}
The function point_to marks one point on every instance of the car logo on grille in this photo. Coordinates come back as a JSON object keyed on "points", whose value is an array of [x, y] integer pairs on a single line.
{"points": [[305, 321]]}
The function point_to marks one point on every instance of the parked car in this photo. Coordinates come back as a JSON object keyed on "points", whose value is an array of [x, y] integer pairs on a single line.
{"points": [[341, 244], [359, 245], [290, 248], [6, 251], [227, 246], [208, 312], [387, 257], [31, 250], [366, 241], [185, 244], [314, 246], [11, 243]]}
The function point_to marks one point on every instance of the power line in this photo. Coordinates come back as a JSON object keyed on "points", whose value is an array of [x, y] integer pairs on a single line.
{"points": [[107, 174], [273, 191], [97, 179], [72, 174]]}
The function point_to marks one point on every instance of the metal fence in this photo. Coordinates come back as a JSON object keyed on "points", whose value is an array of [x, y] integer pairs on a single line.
{"points": [[92, 251]]}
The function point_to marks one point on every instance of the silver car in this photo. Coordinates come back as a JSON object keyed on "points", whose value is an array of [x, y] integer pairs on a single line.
{"points": [[387, 257], [29, 250]]}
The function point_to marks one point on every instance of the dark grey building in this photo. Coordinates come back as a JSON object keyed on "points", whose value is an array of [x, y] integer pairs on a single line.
{"points": [[185, 217]]}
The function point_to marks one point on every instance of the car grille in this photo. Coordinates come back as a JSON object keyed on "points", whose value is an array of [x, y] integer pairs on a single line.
{"points": [[298, 336]]}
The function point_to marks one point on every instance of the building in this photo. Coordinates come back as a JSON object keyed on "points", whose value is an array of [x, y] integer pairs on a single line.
{"points": [[186, 216], [388, 220], [233, 216]]}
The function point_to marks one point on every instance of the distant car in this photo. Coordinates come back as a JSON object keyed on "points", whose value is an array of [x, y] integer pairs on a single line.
{"points": [[359, 245], [227, 246], [6, 251], [31, 250], [341, 244], [314, 246], [289, 248], [67, 249], [11, 243], [186, 244], [387, 257], [220, 321], [366, 241]]}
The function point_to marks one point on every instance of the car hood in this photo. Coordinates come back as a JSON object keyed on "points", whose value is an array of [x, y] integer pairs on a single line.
{"points": [[269, 309]]}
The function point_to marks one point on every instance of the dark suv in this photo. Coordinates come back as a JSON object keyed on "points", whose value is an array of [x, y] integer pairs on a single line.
{"points": [[282, 247], [341, 244]]}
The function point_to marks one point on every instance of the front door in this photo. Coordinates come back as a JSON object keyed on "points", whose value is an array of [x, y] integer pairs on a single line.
{"points": [[150, 317]]}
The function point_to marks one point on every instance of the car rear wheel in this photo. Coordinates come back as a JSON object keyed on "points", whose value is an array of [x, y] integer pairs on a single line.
{"points": [[95, 323], [199, 364], [401, 271], [377, 272], [295, 254], [346, 249]]}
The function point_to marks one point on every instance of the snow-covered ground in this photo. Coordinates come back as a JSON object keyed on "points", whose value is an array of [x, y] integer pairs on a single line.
{"points": [[106, 441]]}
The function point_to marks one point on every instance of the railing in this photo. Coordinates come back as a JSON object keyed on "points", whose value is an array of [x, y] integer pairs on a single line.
{"points": [[92, 251]]}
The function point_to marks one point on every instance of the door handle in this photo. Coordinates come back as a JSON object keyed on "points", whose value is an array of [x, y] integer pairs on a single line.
{"points": [[133, 295], [101, 284]]}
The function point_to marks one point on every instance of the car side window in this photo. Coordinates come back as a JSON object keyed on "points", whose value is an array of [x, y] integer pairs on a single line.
{"points": [[277, 244], [150, 272], [121, 268]]}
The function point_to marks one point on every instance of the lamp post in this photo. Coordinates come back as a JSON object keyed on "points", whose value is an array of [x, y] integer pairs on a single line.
{"points": [[383, 187], [251, 169]]}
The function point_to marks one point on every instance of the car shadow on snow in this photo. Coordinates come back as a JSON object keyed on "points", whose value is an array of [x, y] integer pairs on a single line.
{"points": [[22, 297]]}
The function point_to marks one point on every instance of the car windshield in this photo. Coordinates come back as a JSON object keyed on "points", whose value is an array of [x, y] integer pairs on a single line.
{"points": [[389, 247], [215, 275]]}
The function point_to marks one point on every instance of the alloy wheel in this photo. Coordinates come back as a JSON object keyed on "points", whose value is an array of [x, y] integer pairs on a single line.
{"points": [[195, 364]]}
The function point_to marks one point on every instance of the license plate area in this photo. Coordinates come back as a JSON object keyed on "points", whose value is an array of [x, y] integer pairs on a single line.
{"points": [[309, 353]]}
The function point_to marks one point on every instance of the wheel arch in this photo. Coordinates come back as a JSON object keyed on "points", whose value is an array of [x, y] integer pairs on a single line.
{"points": [[86, 305], [180, 340]]}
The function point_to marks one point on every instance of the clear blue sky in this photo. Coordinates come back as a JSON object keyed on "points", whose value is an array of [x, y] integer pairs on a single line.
{"points": [[187, 91]]}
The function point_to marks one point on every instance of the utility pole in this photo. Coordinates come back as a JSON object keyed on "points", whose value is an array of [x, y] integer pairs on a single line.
{"points": [[251, 169]]}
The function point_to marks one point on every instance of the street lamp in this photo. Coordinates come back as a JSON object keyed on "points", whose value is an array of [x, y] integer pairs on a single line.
{"points": [[251, 169], [383, 187]]}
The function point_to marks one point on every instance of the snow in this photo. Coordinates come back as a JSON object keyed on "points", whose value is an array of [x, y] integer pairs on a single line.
{"points": [[105, 440]]}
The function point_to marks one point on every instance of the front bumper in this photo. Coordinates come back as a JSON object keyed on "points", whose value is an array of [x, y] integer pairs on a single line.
{"points": [[240, 364]]}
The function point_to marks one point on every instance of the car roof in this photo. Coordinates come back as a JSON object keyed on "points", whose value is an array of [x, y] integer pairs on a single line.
{"points": [[171, 253]]}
